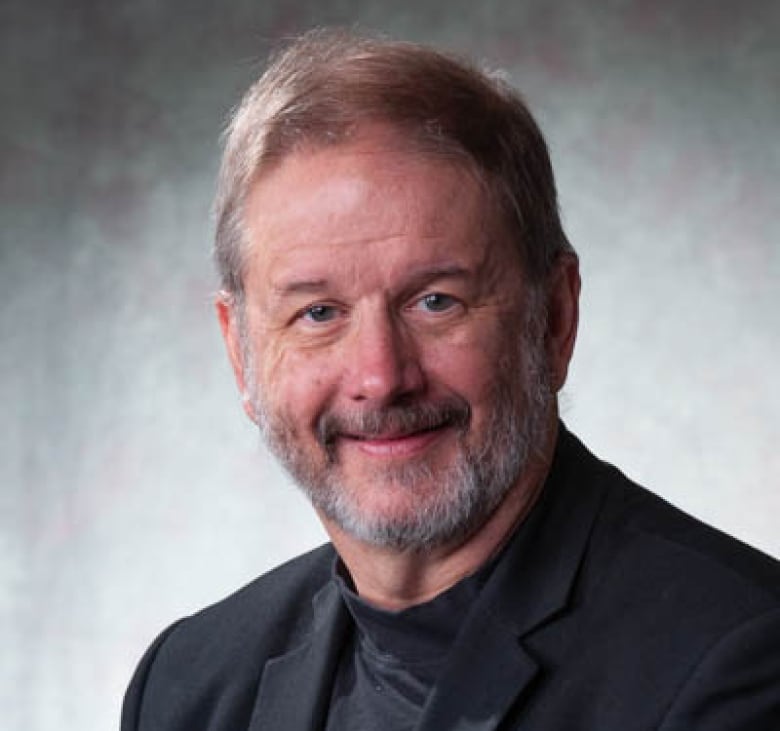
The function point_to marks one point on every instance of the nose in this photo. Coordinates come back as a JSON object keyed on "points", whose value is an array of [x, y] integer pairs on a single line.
{"points": [[382, 363]]}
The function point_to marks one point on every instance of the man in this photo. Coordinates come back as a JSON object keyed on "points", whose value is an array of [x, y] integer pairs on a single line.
{"points": [[400, 306]]}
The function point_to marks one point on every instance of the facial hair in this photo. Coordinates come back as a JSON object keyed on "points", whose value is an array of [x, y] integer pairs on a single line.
{"points": [[450, 502]]}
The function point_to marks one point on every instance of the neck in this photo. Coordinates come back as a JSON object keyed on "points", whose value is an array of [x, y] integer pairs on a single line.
{"points": [[395, 580]]}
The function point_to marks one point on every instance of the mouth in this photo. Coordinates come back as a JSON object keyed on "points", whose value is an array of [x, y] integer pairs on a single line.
{"points": [[394, 432], [396, 444]]}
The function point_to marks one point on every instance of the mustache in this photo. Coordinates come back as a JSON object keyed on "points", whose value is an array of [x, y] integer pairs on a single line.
{"points": [[394, 419]]}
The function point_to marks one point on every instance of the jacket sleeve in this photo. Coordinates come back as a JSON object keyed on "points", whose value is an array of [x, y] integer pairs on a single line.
{"points": [[736, 686], [133, 702]]}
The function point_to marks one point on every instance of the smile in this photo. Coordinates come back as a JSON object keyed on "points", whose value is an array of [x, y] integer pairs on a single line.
{"points": [[396, 445]]}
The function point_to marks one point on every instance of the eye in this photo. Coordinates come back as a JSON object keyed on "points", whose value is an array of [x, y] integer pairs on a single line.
{"points": [[320, 313], [437, 302]]}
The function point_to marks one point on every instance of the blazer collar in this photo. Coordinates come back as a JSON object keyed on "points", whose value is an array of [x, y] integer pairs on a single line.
{"points": [[536, 577], [489, 668], [295, 688]]}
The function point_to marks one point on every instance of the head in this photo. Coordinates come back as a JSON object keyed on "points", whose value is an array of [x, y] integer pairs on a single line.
{"points": [[324, 86], [399, 298]]}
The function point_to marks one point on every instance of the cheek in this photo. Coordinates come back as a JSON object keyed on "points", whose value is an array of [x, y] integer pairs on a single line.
{"points": [[465, 363], [295, 382]]}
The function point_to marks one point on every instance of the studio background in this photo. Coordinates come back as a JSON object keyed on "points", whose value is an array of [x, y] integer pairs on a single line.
{"points": [[134, 491]]}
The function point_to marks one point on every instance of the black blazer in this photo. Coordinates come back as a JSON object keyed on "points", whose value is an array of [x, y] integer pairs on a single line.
{"points": [[610, 611]]}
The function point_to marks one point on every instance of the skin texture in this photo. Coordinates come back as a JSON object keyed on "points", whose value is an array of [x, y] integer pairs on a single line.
{"points": [[376, 279]]}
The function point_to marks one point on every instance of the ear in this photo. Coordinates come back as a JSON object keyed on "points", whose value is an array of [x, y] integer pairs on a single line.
{"points": [[229, 322], [562, 316]]}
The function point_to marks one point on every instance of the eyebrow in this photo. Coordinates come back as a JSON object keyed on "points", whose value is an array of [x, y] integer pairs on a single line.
{"points": [[301, 286], [417, 279], [425, 275]]}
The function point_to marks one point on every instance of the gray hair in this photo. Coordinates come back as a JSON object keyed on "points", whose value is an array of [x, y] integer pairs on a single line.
{"points": [[323, 85]]}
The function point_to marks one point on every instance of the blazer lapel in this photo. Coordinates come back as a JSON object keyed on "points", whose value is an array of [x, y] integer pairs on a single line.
{"points": [[489, 667], [485, 675], [295, 688]]}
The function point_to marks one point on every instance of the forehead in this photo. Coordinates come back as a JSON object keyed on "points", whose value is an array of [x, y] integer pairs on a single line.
{"points": [[373, 195]]}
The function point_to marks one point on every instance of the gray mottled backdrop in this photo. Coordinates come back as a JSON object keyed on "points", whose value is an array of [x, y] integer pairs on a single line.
{"points": [[133, 491]]}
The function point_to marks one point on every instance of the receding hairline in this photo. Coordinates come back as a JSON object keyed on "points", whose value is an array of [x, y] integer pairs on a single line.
{"points": [[383, 137], [328, 83]]}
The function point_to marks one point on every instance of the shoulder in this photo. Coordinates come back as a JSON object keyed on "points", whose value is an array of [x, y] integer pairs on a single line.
{"points": [[668, 618], [226, 645], [672, 545], [637, 528], [270, 612], [706, 612], [650, 564]]}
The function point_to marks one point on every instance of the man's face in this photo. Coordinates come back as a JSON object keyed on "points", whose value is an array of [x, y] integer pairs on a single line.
{"points": [[384, 341]]}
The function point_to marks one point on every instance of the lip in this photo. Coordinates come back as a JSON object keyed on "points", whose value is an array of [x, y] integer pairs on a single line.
{"points": [[401, 445]]}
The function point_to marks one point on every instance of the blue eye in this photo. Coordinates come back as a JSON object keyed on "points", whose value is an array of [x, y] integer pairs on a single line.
{"points": [[320, 313], [437, 302]]}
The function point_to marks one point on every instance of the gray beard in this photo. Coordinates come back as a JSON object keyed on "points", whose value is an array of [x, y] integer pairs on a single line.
{"points": [[466, 493]]}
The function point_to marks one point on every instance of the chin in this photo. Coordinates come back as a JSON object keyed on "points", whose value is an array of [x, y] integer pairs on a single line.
{"points": [[407, 517]]}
